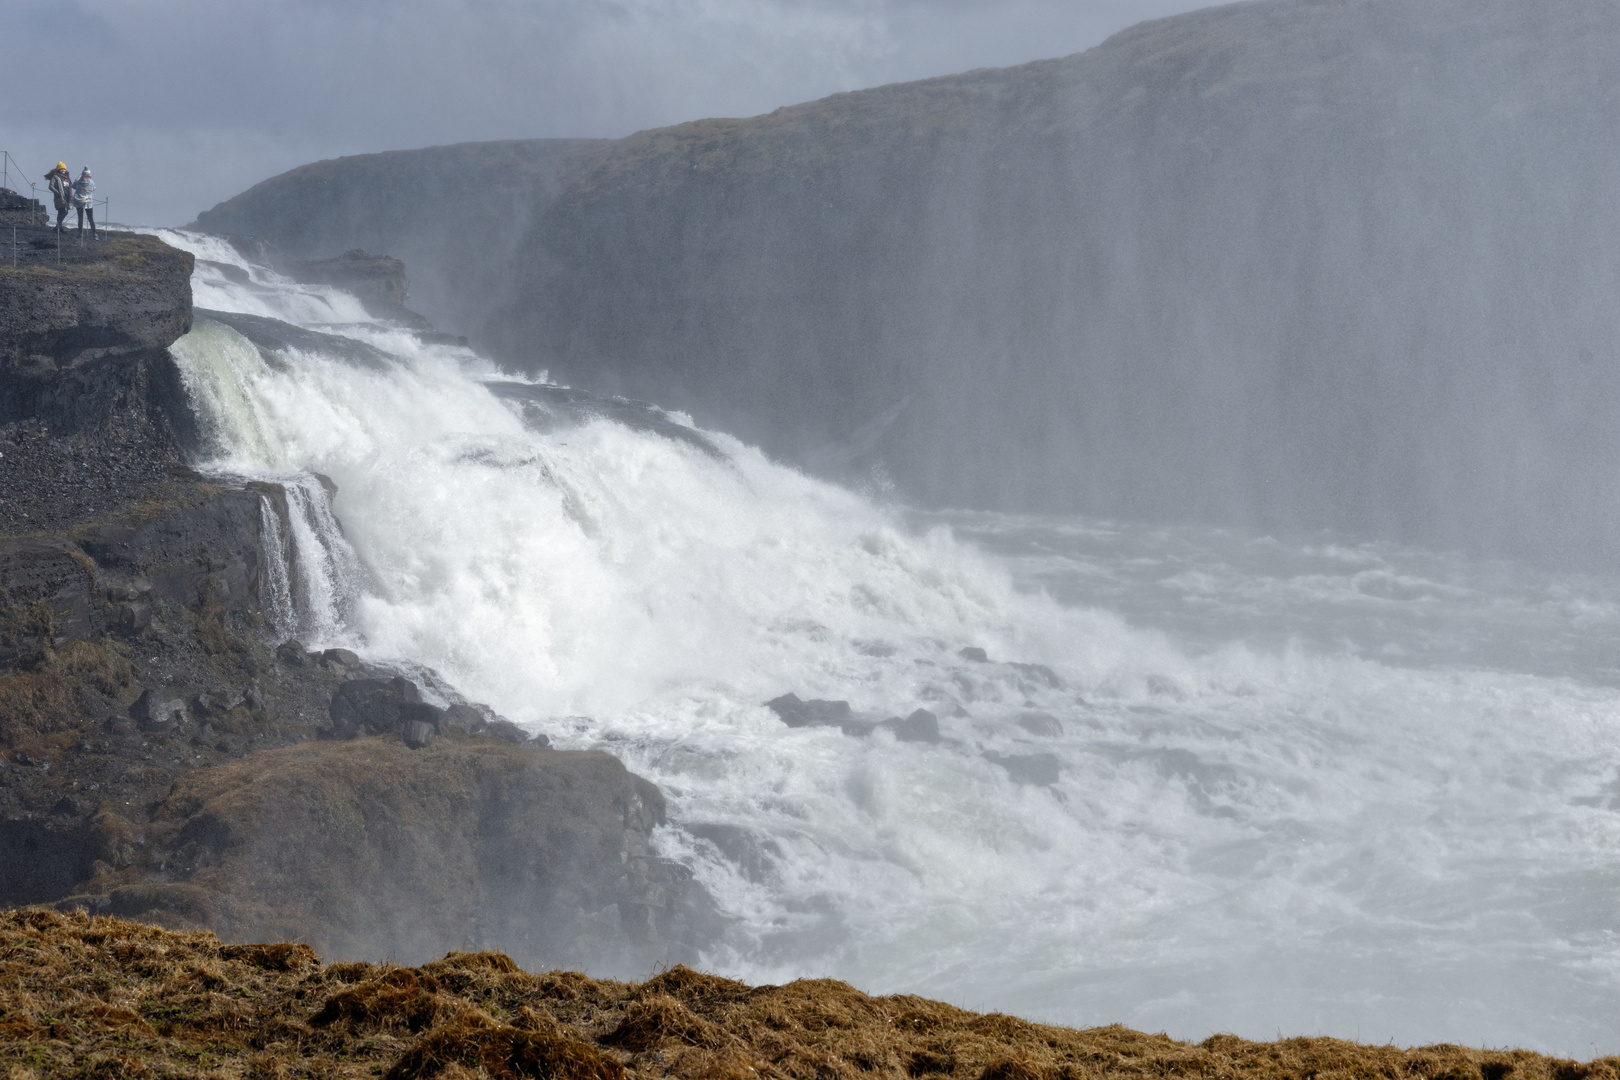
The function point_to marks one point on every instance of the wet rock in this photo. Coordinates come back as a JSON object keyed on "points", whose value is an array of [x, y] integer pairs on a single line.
{"points": [[156, 710], [755, 856], [920, 726], [1039, 674], [370, 706], [504, 729], [229, 272], [1037, 769], [134, 617], [67, 806], [818, 712], [420, 712], [292, 653], [417, 733], [1043, 724], [340, 659], [975, 654], [462, 719], [549, 856]]}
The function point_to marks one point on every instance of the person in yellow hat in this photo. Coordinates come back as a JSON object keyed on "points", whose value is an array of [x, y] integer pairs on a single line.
{"points": [[61, 190]]}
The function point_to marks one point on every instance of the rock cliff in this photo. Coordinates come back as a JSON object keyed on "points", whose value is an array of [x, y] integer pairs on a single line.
{"points": [[164, 756], [1290, 264]]}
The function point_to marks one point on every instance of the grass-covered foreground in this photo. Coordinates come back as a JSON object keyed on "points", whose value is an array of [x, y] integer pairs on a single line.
{"points": [[101, 997]]}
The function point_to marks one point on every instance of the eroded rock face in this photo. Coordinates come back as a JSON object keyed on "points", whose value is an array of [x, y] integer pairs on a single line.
{"points": [[369, 848]]}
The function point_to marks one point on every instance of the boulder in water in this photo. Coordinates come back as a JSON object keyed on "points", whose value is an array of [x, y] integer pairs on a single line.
{"points": [[1040, 769], [1043, 724], [340, 659], [818, 712], [920, 726], [1038, 674], [371, 706]]}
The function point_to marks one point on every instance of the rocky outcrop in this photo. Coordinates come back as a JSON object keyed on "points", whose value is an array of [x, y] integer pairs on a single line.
{"points": [[368, 848], [1286, 265], [69, 307]]}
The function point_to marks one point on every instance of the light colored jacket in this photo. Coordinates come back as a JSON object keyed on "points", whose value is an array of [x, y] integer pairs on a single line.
{"points": [[84, 191]]}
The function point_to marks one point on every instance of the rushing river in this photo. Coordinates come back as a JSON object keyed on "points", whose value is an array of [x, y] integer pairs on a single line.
{"points": [[1195, 781]]}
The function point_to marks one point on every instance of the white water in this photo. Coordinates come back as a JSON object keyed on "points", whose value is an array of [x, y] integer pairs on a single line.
{"points": [[1304, 789]]}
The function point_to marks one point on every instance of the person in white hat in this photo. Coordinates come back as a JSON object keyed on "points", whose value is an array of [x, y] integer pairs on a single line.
{"points": [[84, 199]]}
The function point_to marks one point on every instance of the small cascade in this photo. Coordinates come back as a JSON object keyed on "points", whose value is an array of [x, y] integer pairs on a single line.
{"points": [[279, 609], [326, 573]]}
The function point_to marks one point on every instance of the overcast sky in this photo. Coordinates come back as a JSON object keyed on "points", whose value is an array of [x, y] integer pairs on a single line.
{"points": [[178, 104]]}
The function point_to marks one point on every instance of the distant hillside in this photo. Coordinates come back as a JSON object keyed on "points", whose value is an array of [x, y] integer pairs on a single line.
{"points": [[1287, 264]]}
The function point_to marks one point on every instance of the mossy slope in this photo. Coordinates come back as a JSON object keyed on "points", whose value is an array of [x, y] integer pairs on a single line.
{"points": [[100, 997]]}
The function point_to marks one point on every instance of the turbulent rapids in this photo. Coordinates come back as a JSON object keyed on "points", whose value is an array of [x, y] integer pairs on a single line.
{"points": [[1185, 780]]}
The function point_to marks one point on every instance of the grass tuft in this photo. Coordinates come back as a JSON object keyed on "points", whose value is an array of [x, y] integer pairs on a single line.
{"points": [[99, 997]]}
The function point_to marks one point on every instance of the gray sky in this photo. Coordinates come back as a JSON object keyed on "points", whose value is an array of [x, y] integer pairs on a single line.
{"points": [[178, 104]]}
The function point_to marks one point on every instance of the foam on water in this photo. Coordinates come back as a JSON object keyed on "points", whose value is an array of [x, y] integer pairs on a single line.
{"points": [[1302, 788]]}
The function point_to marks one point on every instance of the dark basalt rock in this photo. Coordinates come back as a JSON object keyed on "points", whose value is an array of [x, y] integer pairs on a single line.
{"points": [[1038, 769], [1043, 724], [921, 726], [417, 733], [153, 711], [507, 731], [378, 281], [813, 713], [371, 706], [371, 848]]}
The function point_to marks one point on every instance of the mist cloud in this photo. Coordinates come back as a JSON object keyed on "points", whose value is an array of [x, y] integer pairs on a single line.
{"points": [[178, 104]]}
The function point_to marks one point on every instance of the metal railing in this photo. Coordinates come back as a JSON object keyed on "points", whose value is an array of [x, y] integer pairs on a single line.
{"points": [[8, 165]]}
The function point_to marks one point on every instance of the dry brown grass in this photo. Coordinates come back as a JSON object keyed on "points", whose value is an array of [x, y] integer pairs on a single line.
{"points": [[46, 699], [88, 997]]}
